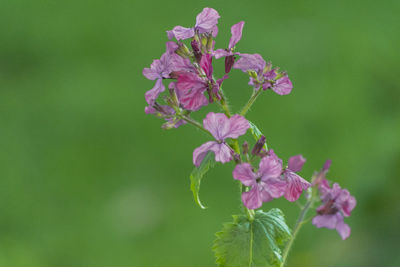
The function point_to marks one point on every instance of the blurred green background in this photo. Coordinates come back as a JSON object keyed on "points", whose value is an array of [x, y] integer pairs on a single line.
{"points": [[88, 179]]}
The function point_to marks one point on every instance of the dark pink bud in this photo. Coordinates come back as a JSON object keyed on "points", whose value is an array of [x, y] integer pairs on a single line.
{"points": [[245, 147], [196, 49], [327, 165], [258, 146], [229, 61]]}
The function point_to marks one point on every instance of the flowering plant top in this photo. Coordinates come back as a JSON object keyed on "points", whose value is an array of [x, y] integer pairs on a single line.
{"points": [[187, 67]]}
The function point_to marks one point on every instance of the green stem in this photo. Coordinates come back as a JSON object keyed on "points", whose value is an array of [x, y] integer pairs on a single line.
{"points": [[249, 103], [194, 123], [224, 105], [296, 229]]}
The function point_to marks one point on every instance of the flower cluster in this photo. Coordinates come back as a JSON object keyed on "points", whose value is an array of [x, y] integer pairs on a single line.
{"points": [[337, 203], [188, 69], [271, 180]]}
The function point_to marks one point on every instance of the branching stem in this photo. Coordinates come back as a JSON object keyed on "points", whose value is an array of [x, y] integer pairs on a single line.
{"points": [[300, 221]]}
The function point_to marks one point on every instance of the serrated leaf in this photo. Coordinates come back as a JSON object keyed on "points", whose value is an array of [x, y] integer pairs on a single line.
{"points": [[256, 133], [198, 173], [252, 243]]}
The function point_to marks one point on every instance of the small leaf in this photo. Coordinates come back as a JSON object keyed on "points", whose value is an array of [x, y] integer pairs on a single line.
{"points": [[257, 133], [198, 173], [252, 243]]}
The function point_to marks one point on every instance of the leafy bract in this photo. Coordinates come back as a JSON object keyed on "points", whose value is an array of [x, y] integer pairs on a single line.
{"points": [[198, 173], [252, 243], [256, 133]]}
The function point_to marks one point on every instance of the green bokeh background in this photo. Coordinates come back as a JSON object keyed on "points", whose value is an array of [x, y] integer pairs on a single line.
{"points": [[88, 179]]}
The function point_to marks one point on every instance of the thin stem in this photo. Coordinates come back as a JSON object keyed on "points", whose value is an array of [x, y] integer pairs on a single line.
{"points": [[249, 103], [194, 123], [296, 229], [224, 105]]}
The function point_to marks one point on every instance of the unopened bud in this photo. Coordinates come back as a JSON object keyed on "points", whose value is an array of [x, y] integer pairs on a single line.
{"points": [[268, 67], [327, 165], [253, 74], [236, 157], [204, 41], [183, 51], [258, 146], [196, 48], [229, 61], [210, 42], [245, 147], [168, 125]]}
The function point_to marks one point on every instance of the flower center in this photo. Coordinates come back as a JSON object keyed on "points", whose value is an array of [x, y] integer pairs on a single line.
{"points": [[328, 209]]}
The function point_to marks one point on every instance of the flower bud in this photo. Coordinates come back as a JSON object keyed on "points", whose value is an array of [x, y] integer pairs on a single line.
{"points": [[258, 146], [196, 48], [210, 42], [183, 51], [253, 74], [229, 61], [245, 147], [236, 157]]}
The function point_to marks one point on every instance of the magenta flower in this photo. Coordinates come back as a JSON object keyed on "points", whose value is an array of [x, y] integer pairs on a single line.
{"points": [[191, 86], [161, 68], [295, 184], [264, 76], [229, 55], [337, 203], [221, 127], [236, 32], [166, 112], [206, 22], [265, 183], [190, 90]]}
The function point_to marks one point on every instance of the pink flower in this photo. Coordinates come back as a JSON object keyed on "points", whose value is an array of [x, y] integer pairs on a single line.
{"points": [[191, 85], [190, 90], [229, 55], [161, 68], [266, 77], [265, 183], [206, 22], [221, 127], [166, 112], [337, 203], [295, 184]]}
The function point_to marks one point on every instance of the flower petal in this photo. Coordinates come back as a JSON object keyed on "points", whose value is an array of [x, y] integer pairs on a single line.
{"points": [[327, 221], [283, 86], [221, 53], [217, 124], [180, 33], [221, 151], [244, 173], [207, 20], [190, 89], [275, 187], [149, 110], [342, 228], [252, 199], [238, 126], [200, 152], [250, 62], [150, 74], [295, 186], [296, 163], [206, 65], [153, 93], [270, 167], [236, 31]]}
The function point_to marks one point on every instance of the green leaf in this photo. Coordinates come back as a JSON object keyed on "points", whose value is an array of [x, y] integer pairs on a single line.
{"points": [[252, 243], [198, 173], [257, 133]]}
